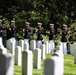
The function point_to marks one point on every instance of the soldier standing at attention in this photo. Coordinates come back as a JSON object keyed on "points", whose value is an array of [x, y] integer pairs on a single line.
{"points": [[27, 33], [9, 33], [13, 31], [1, 34], [39, 35], [64, 39], [51, 38]]}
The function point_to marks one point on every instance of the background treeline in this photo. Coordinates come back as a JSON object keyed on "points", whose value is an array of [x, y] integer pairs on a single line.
{"points": [[45, 11]]}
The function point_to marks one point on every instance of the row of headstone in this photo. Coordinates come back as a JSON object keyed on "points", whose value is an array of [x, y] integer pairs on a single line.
{"points": [[72, 50], [32, 45], [27, 60], [27, 57], [55, 64], [11, 45], [7, 64], [25, 46], [21, 44], [63, 47], [16, 52], [57, 55], [37, 53]]}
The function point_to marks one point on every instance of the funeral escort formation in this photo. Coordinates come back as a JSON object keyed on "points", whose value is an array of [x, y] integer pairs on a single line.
{"points": [[11, 34]]}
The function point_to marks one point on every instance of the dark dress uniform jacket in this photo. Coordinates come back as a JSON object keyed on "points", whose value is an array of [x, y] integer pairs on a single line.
{"points": [[13, 31], [39, 34], [64, 38], [27, 33], [8, 33], [51, 35]]}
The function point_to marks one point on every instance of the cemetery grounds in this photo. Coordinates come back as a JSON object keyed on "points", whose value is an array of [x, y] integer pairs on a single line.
{"points": [[69, 66]]}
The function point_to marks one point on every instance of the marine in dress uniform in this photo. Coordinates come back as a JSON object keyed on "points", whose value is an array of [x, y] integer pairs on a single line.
{"points": [[8, 32], [51, 38], [11, 34], [27, 33], [1, 34], [39, 35], [13, 31], [64, 39]]}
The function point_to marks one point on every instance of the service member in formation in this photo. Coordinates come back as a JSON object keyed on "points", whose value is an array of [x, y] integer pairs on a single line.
{"points": [[27, 33], [39, 35], [51, 38], [8, 32], [1, 34], [13, 31], [64, 39], [11, 34]]}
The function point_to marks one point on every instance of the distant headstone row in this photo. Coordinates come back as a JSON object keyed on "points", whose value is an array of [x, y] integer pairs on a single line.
{"points": [[25, 62], [32, 45], [21, 55]]}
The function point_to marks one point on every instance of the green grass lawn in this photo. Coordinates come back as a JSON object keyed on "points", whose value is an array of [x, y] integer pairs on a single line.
{"points": [[69, 67]]}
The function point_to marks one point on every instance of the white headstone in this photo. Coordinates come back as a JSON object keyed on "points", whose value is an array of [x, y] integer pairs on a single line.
{"points": [[27, 62], [60, 54], [21, 44], [42, 47], [1, 42], [6, 64], [60, 44], [53, 66], [17, 43], [32, 45], [38, 43], [59, 50], [75, 56], [46, 47], [72, 46], [12, 48], [3, 50], [49, 48], [18, 55], [37, 58], [8, 43], [26, 46]]}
